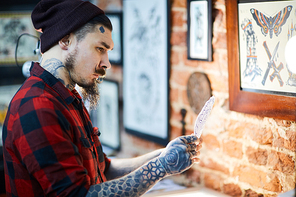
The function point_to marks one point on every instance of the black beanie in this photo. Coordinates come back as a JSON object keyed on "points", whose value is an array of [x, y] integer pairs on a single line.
{"points": [[57, 18]]}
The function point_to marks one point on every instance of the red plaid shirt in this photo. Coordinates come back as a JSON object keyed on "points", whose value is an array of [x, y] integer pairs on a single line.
{"points": [[50, 146]]}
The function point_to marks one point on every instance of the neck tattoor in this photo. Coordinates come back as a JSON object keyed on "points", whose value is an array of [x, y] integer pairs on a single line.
{"points": [[58, 70]]}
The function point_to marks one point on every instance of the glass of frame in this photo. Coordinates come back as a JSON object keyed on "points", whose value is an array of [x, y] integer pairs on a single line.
{"points": [[260, 81], [106, 115], [146, 69], [12, 25], [115, 56], [199, 34]]}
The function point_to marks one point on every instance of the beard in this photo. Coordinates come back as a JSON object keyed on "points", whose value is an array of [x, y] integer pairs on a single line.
{"points": [[91, 94], [89, 91]]}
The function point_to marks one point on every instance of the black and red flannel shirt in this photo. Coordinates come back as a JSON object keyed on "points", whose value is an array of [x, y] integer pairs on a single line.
{"points": [[50, 146]]}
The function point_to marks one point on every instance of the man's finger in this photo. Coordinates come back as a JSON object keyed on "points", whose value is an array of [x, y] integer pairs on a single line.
{"points": [[187, 139], [191, 147]]}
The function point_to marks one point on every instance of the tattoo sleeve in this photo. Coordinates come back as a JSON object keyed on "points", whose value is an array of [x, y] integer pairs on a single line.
{"points": [[133, 184], [176, 158]]}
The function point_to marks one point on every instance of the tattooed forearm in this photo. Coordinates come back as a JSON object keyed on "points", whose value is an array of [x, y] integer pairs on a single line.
{"points": [[177, 157], [134, 184]]}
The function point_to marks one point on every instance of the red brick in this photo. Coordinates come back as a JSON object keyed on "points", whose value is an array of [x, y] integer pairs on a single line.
{"points": [[174, 95], [251, 193], [205, 65], [180, 76], [232, 190], [219, 82], [177, 18], [219, 20], [179, 38], [179, 3], [175, 58], [193, 175], [220, 2], [261, 136], [290, 182], [273, 185], [175, 132], [270, 195], [189, 131], [213, 181], [258, 178], [289, 143], [281, 162], [190, 63], [220, 60], [176, 114], [209, 163], [211, 142], [283, 123], [233, 149], [220, 40], [257, 156], [185, 100], [237, 129]]}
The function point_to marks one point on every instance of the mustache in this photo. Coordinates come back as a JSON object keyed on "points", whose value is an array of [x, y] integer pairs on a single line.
{"points": [[101, 71]]}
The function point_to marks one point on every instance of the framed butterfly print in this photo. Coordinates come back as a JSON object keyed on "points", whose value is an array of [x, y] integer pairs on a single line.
{"points": [[260, 81]]}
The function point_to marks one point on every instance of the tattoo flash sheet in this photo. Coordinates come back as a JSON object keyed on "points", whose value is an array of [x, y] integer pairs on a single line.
{"points": [[264, 29], [145, 66]]}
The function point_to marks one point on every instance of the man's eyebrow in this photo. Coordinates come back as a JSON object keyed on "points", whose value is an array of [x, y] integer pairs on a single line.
{"points": [[106, 45]]}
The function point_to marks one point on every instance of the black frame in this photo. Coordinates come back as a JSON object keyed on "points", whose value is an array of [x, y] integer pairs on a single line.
{"points": [[119, 16], [208, 31], [98, 118], [141, 134]]}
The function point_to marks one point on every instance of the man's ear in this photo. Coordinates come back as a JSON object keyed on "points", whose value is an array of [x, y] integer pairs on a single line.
{"points": [[65, 42]]}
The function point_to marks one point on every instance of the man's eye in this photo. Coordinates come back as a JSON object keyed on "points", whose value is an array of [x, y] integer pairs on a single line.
{"points": [[101, 49]]}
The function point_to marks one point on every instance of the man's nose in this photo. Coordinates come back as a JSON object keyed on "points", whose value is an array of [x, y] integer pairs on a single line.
{"points": [[105, 63]]}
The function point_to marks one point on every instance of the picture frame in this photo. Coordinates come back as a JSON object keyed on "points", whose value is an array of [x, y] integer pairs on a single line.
{"points": [[146, 69], [199, 34], [258, 101], [106, 115], [12, 25], [115, 55]]}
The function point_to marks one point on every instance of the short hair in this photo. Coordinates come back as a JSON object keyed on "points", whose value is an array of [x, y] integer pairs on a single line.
{"points": [[90, 26]]}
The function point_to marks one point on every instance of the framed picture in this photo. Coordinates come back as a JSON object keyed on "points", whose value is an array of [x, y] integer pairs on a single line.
{"points": [[106, 115], [199, 34], [146, 69], [115, 56], [12, 25], [260, 81]]}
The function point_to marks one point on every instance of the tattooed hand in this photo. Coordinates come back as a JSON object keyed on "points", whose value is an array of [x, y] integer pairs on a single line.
{"points": [[180, 154]]}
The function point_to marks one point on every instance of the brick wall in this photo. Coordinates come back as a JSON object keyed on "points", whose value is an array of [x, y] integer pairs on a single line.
{"points": [[242, 155]]}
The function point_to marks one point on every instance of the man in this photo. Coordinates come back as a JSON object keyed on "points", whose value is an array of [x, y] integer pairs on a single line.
{"points": [[50, 146]]}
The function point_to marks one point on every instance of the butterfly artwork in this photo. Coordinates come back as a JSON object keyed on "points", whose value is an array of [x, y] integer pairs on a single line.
{"points": [[271, 23]]}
